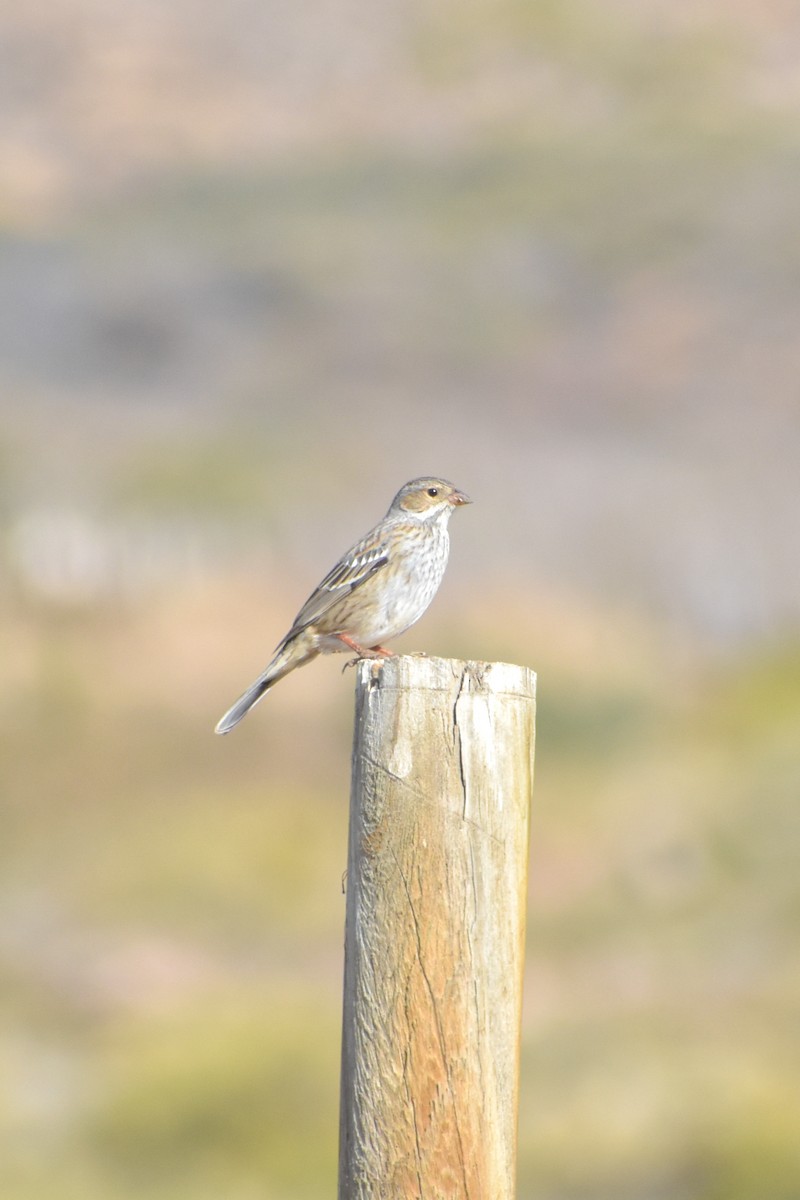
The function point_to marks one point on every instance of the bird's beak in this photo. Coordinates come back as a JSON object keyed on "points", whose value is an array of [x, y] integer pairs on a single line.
{"points": [[459, 498]]}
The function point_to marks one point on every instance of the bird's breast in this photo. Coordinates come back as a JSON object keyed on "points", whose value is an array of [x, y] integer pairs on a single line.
{"points": [[410, 583]]}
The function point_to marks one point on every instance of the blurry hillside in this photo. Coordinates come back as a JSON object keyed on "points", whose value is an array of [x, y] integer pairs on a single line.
{"points": [[323, 241], [260, 264]]}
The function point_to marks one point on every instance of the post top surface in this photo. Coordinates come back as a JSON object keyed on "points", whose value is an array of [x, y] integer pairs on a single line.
{"points": [[406, 671]]}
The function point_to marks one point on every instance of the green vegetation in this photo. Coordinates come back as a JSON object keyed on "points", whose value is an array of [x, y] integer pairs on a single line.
{"points": [[172, 955]]}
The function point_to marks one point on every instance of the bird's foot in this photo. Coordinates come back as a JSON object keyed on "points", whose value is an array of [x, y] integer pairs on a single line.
{"points": [[364, 651]]}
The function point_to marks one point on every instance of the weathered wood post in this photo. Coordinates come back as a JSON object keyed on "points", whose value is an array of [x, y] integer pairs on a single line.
{"points": [[435, 929]]}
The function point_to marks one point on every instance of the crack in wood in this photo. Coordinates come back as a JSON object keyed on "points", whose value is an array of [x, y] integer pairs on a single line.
{"points": [[457, 743]]}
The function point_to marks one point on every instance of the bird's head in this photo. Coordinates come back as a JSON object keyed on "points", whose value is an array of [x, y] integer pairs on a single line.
{"points": [[427, 499]]}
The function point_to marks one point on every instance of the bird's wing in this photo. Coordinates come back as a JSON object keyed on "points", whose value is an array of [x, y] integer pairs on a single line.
{"points": [[353, 569]]}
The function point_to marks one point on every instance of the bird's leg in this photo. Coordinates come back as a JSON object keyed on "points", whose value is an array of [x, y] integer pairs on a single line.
{"points": [[362, 651]]}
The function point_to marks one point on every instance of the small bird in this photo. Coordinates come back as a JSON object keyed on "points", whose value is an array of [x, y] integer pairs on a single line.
{"points": [[376, 591]]}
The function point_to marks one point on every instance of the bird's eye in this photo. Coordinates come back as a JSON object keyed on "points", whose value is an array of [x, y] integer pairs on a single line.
{"points": [[433, 491]]}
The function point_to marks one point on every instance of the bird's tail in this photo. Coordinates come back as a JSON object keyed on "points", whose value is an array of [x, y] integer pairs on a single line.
{"points": [[245, 702], [290, 655]]}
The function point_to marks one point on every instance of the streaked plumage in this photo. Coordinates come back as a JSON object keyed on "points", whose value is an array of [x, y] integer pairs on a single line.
{"points": [[376, 591]]}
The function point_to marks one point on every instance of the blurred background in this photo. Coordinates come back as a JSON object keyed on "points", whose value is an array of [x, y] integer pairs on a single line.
{"points": [[260, 264]]}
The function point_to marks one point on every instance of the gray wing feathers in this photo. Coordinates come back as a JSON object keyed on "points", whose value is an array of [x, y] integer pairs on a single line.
{"points": [[354, 569]]}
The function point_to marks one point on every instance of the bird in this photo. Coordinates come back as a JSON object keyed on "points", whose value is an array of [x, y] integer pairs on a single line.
{"points": [[379, 588]]}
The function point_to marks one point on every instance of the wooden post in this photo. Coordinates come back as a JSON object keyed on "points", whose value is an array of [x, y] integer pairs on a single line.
{"points": [[435, 929]]}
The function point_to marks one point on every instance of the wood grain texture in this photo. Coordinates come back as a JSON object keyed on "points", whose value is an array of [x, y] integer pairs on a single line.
{"points": [[434, 944]]}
